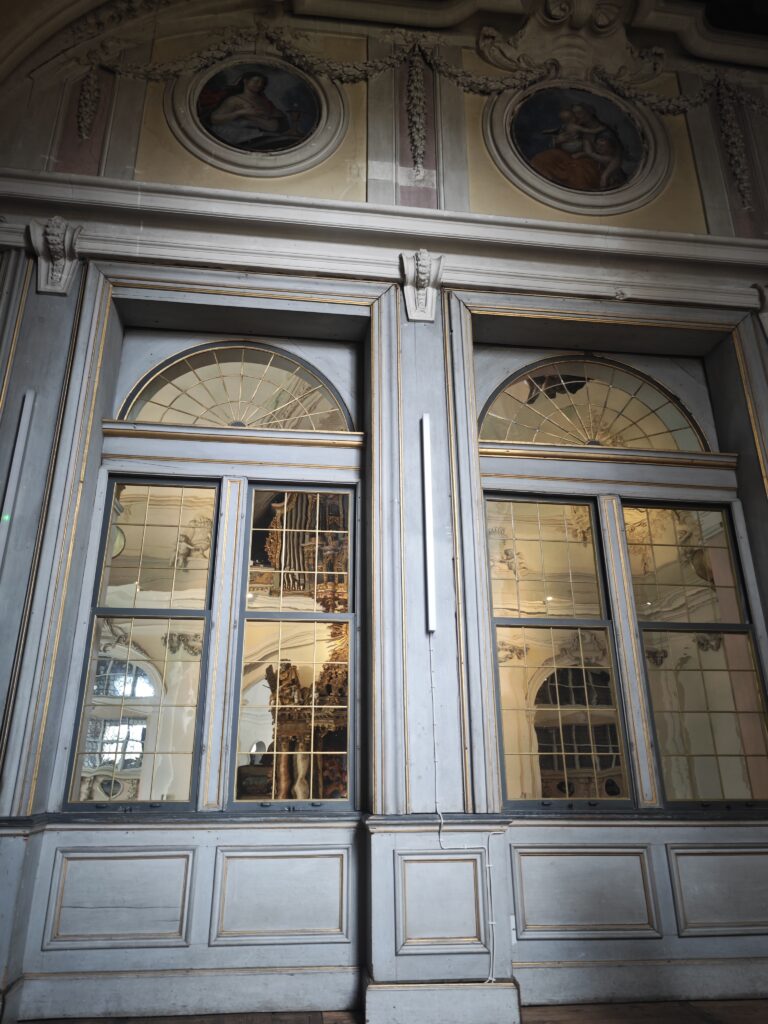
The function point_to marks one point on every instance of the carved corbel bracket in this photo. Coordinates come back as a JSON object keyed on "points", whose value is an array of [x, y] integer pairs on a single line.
{"points": [[421, 283], [55, 245]]}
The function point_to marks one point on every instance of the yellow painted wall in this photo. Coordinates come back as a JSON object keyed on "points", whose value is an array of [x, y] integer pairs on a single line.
{"points": [[677, 208], [162, 158]]}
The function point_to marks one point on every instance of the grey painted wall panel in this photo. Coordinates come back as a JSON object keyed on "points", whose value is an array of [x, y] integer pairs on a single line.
{"points": [[281, 896], [720, 891], [118, 897], [430, 921], [592, 892]]}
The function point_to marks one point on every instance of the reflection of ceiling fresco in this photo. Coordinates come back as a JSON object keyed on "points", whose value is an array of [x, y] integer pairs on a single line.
{"points": [[585, 402]]}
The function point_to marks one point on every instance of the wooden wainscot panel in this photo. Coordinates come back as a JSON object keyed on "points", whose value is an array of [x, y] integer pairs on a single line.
{"points": [[585, 892], [440, 902], [118, 898], [279, 895], [720, 890]]}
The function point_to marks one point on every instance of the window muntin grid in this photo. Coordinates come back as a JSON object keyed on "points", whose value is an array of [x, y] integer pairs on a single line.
{"points": [[293, 722], [588, 402], [241, 386], [708, 704], [137, 734], [561, 733], [159, 549], [682, 565], [542, 560]]}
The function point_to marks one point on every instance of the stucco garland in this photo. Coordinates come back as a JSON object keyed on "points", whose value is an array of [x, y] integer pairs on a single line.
{"points": [[728, 96], [417, 50], [414, 51]]}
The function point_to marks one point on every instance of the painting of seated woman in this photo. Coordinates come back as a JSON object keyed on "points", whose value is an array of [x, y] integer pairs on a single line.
{"points": [[577, 139], [258, 107]]}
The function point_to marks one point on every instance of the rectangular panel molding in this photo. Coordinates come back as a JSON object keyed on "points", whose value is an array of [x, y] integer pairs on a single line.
{"points": [[440, 902], [278, 895], [720, 890], [589, 892], [118, 898]]}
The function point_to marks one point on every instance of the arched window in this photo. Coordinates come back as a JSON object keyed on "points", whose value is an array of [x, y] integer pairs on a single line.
{"points": [[170, 589], [588, 402], [242, 386], [591, 547]]}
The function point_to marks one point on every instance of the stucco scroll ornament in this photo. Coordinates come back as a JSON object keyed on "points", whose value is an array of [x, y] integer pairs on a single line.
{"points": [[421, 284], [577, 35], [55, 245]]}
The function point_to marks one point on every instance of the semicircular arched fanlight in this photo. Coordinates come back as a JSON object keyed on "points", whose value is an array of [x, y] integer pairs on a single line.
{"points": [[241, 386], [588, 402]]}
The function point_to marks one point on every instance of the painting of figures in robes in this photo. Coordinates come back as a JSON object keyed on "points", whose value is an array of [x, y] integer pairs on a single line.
{"points": [[577, 139], [259, 107]]}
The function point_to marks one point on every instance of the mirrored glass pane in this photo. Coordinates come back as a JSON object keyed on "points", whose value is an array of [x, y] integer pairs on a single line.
{"points": [[293, 707], [681, 565], [329, 777], [542, 560], [709, 714], [587, 402], [140, 701], [299, 554], [561, 730], [171, 777], [240, 386], [158, 547]]}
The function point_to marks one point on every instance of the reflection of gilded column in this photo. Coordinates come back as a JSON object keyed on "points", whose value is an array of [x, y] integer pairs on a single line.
{"points": [[301, 787], [282, 777]]}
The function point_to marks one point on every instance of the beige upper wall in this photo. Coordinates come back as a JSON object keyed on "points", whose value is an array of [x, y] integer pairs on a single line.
{"points": [[162, 158], [678, 207]]}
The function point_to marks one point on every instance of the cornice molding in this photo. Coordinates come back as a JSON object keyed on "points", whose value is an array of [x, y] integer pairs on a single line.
{"points": [[196, 226], [52, 29]]}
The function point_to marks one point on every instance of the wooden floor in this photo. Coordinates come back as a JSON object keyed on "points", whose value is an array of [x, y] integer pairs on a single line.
{"points": [[332, 1017], [740, 1011], [735, 1011]]}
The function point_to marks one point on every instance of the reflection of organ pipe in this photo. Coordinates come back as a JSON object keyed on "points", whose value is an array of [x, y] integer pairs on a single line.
{"points": [[298, 519]]}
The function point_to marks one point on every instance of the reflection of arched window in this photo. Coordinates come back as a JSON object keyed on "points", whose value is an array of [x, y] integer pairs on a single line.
{"points": [[588, 402], [245, 386], [579, 753]]}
